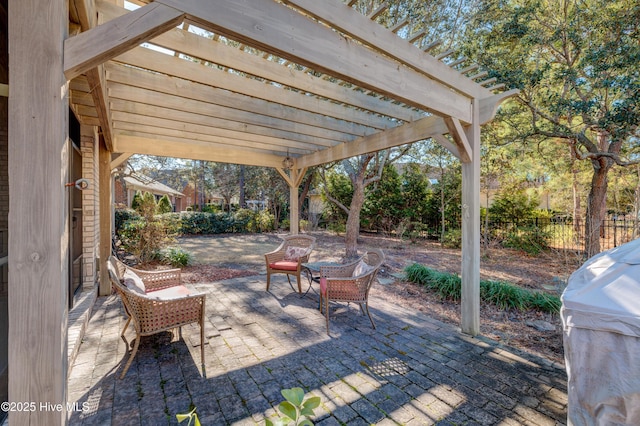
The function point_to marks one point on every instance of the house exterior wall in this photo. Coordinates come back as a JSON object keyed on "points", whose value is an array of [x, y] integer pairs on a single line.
{"points": [[4, 172], [90, 217]]}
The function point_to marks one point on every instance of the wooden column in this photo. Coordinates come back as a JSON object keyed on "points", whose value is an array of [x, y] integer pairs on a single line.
{"points": [[470, 303], [104, 171], [38, 211], [293, 177], [294, 214]]}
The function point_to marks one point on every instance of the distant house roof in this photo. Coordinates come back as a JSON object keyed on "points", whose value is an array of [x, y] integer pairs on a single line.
{"points": [[141, 182]]}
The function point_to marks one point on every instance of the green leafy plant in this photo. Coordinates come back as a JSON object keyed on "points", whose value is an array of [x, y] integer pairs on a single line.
{"points": [[176, 256], [296, 409], [191, 416], [452, 239], [164, 205], [531, 240], [502, 294]]}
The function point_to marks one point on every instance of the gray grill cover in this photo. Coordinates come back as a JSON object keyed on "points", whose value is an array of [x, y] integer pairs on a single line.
{"points": [[601, 326]]}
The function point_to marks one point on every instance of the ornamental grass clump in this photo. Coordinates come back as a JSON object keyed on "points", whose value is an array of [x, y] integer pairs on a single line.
{"points": [[501, 294]]}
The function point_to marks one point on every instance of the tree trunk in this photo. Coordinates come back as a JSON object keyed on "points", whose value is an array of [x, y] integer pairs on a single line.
{"points": [[596, 206], [353, 220], [241, 200], [577, 210]]}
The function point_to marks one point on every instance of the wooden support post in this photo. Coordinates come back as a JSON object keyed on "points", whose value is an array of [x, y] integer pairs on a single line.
{"points": [[293, 179], [104, 166], [38, 211], [294, 214], [470, 303]]}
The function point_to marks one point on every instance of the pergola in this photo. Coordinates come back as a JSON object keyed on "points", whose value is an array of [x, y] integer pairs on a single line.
{"points": [[282, 84]]}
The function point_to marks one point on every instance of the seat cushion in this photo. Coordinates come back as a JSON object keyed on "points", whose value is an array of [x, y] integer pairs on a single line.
{"points": [[133, 282], [294, 253], [361, 269], [170, 292], [323, 285], [284, 265]]}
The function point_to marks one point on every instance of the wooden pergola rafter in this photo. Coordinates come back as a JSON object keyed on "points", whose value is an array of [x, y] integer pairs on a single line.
{"points": [[248, 82]]}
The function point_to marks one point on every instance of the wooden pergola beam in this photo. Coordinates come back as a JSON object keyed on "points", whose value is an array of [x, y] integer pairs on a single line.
{"points": [[445, 143], [118, 159], [350, 22], [122, 110], [194, 150], [85, 13], [160, 126], [407, 133], [293, 36], [91, 48], [459, 137]]}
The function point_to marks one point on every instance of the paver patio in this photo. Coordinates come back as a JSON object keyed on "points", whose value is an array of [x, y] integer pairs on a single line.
{"points": [[411, 370]]}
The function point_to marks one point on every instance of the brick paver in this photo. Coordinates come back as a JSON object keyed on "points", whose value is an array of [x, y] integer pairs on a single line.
{"points": [[411, 370]]}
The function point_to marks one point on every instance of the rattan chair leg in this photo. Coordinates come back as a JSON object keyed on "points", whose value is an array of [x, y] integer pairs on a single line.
{"points": [[326, 313], [299, 285], [204, 374], [366, 307], [130, 360], [126, 324]]}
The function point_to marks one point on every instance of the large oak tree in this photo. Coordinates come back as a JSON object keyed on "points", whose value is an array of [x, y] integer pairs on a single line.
{"points": [[576, 65]]}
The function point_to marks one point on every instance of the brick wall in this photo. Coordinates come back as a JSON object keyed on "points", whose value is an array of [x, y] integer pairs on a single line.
{"points": [[90, 224]]}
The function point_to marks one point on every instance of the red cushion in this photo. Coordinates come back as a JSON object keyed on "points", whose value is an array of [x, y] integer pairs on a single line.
{"points": [[323, 285], [284, 265]]}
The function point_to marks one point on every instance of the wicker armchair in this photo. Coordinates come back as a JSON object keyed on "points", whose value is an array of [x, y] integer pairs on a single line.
{"points": [[153, 280], [159, 303], [350, 283], [289, 257]]}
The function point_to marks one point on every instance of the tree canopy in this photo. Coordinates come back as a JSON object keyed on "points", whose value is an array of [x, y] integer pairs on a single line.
{"points": [[575, 64]]}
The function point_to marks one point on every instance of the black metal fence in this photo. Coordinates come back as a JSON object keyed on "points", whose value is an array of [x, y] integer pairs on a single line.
{"points": [[559, 233]]}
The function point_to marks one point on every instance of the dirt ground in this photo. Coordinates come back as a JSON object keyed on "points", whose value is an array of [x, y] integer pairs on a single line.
{"points": [[220, 257]]}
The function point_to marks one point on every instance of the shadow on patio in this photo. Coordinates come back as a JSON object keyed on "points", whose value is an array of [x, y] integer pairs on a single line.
{"points": [[411, 370]]}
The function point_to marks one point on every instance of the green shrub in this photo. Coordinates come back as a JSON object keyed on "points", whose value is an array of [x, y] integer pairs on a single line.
{"points": [[531, 240], [144, 237], [176, 257], [545, 302], [206, 223], [502, 294], [452, 239], [337, 227], [263, 221], [137, 200], [123, 215], [164, 205], [244, 220]]}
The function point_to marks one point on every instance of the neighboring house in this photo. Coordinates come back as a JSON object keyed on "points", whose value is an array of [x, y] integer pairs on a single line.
{"points": [[191, 196], [138, 182]]}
